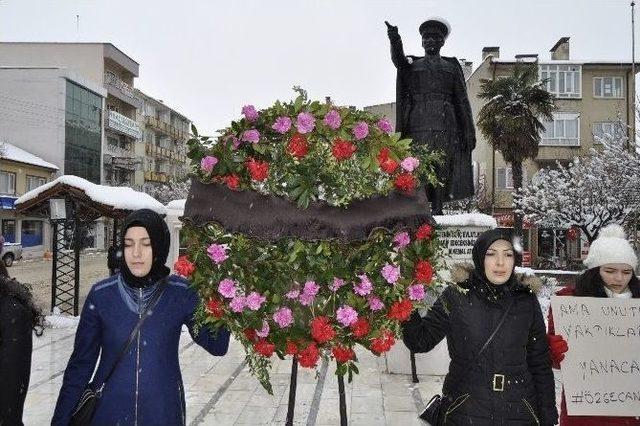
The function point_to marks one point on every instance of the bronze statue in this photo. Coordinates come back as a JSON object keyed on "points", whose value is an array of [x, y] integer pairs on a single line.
{"points": [[432, 108]]}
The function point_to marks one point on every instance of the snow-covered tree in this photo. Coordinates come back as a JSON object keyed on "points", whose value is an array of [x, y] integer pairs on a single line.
{"points": [[173, 190], [588, 193]]}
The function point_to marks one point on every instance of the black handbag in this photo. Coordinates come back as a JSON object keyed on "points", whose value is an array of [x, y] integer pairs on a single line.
{"points": [[85, 408], [435, 411]]}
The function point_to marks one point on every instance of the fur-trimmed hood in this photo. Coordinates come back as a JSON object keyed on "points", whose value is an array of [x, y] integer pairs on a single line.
{"points": [[461, 272]]}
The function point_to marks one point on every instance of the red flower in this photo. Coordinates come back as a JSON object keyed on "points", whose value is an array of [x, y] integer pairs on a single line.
{"points": [[232, 181], [423, 271], [321, 330], [383, 344], [400, 310], [424, 232], [298, 146], [343, 354], [342, 149], [387, 164], [309, 357], [183, 266], [360, 328], [214, 307], [259, 170], [264, 348], [291, 348], [405, 182], [251, 334]]}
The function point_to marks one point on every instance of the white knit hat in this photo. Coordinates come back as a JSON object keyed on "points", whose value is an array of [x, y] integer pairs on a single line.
{"points": [[611, 246]]}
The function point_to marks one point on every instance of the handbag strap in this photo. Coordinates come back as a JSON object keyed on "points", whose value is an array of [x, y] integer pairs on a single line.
{"points": [[152, 303], [472, 364]]}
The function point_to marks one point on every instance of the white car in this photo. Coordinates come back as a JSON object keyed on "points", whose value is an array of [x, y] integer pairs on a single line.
{"points": [[11, 252]]}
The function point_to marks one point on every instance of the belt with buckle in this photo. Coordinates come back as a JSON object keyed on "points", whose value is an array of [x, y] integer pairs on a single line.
{"points": [[498, 382]]}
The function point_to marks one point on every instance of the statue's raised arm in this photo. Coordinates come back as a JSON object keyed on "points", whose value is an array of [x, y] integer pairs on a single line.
{"points": [[397, 52]]}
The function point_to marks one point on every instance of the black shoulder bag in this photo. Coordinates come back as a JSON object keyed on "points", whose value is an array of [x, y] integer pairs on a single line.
{"points": [[437, 406], [85, 408]]}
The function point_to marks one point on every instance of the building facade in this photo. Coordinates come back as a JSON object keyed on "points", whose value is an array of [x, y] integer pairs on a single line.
{"points": [[164, 148], [20, 172], [592, 97]]}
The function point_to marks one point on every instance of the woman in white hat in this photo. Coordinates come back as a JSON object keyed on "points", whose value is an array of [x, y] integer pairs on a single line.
{"points": [[611, 262]]}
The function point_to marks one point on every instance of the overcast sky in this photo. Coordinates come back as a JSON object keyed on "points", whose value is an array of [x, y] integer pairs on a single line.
{"points": [[209, 58]]}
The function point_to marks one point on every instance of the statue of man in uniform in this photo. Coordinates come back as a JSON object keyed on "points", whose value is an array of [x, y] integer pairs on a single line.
{"points": [[432, 108]]}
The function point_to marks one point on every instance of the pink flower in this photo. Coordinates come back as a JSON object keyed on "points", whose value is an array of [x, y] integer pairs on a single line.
{"points": [[217, 253], [375, 304], [385, 125], [227, 288], [409, 164], [306, 299], [254, 300], [416, 292], [293, 294], [337, 283], [305, 122], [361, 130], [207, 163], [391, 273], [283, 317], [252, 136], [310, 287], [235, 142], [282, 125], [402, 240], [346, 315], [264, 332], [332, 119], [237, 304], [364, 287], [309, 293], [250, 113]]}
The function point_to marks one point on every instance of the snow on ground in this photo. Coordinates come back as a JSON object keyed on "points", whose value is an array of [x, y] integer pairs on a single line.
{"points": [[117, 197], [57, 320]]}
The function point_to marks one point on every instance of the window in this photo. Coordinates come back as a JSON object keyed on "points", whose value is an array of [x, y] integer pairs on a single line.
{"points": [[564, 81], [611, 130], [35, 181], [504, 178], [31, 233], [564, 130], [7, 183], [9, 230], [607, 87]]}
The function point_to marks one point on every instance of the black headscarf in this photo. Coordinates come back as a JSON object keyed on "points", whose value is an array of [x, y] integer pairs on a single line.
{"points": [[481, 246], [160, 240]]}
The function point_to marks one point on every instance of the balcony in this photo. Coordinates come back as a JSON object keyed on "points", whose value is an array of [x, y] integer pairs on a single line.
{"points": [[155, 176], [158, 151], [121, 90], [123, 124], [166, 128]]}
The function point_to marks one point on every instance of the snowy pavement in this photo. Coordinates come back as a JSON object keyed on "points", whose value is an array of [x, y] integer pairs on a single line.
{"points": [[221, 391]]}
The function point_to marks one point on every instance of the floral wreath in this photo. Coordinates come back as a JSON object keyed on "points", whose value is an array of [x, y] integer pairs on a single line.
{"points": [[299, 298]]}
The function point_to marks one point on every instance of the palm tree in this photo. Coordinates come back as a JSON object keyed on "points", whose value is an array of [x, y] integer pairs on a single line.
{"points": [[511, 119]]}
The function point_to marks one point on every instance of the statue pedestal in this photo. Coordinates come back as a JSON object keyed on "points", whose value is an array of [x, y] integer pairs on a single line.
{"points": [[457, 233]]}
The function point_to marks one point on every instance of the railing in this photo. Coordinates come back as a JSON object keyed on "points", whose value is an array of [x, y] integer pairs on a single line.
{"points": [[113, 80], [560, 142], [155, 176], [166, 128], [158, 151]]}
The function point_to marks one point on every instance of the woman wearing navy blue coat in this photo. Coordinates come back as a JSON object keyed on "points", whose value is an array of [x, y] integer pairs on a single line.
{"points": [[146, 387]]}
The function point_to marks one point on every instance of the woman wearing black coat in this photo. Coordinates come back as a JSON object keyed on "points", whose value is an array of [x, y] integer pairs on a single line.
{"points": [[18, 317], [511, 383]]}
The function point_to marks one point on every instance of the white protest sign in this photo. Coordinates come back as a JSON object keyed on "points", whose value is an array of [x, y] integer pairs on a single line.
{"points": [[601, 370], [459, 241]]}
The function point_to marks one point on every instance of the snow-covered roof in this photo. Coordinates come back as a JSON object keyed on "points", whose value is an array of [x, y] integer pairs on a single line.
{"points": [[467, 219], [13, 153], [116, 197]]}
